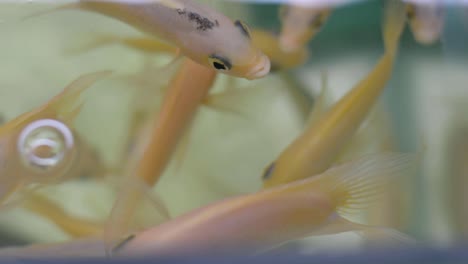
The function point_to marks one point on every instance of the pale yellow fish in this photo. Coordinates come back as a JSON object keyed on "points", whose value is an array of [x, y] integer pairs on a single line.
{"points": [[258, 222], [320, 144], [426, 21], [299, 24], [203, 34], [41, 146], [150, 157], [266, 41], [266, 219]]}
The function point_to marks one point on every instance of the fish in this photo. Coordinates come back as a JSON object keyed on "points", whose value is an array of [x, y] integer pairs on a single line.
{"points": [[150, 156], [323, 140], [299, 24], [41, 146], [201, 33], [261, 221], [266, 41], [266, 219], [426, 21]]}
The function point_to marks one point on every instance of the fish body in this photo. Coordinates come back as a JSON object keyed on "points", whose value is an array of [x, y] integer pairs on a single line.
{"points": [[162, 135], [262, 220], [200, 32], [320, 144], [41, 146]]}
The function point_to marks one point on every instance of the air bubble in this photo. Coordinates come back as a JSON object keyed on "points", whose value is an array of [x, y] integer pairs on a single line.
{"points": [[45, 144]]}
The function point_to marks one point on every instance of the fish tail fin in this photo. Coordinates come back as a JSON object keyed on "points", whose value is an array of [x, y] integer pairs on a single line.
{"points": [[389, 236], [321, 102], [394, 24], [52, 10], [385, 234], [353, 186], [67, 103]]}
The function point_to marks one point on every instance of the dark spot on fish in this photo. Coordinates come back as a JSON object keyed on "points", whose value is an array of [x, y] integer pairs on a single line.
{"points": [[121, 244], [203, 23], [268, 171]]}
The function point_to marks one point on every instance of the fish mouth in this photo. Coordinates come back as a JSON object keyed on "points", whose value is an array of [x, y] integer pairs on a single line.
{"points": [[261, 68]]}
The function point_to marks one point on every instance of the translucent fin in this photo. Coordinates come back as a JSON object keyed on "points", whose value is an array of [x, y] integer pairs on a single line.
{"points": [[337, 224], [135, 208], [52, 10], [321, 102], [90, 163], [99, 40], [374, 135], [67, 103], [74, 226], [355, 185], [394, 23], [230, 100]]}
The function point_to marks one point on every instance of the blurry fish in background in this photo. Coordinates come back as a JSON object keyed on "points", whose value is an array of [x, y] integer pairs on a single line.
{"points": [[299, 25], [41, 146], [427, 21], [322, 141]]}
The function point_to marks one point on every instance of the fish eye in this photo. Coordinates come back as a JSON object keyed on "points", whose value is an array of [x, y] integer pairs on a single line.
{"points": [[219, 63], [243, 28], [44, 144], [268, 171]]}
